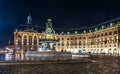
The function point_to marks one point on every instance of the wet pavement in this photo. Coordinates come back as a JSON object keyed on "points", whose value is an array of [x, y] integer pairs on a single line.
{"points": [[93, 65]]}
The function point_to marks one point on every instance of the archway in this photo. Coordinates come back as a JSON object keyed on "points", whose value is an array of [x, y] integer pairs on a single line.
{"points": [[25, 43], [35, 43]]}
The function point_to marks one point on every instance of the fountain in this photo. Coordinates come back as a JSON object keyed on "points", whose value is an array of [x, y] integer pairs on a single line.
{"points": [[47, 45]]}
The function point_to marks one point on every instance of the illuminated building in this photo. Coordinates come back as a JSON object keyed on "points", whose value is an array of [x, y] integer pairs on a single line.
{"points": [[99, 39]]}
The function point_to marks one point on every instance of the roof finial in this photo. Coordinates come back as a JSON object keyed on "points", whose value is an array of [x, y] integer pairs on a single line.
{"points": [[29, 19], [49, 20]]}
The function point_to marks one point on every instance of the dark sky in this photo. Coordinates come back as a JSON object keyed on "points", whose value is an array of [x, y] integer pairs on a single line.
{"points": [[65, 13]]}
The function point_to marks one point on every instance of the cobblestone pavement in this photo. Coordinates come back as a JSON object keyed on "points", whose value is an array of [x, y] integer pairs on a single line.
{"points": [[102, 66]]}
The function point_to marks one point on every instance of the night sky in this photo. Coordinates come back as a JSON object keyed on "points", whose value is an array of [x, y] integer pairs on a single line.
{"points": [[64, 13]]}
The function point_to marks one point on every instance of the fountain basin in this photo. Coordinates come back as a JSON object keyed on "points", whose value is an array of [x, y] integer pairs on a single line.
{"points": [[48, 55]]}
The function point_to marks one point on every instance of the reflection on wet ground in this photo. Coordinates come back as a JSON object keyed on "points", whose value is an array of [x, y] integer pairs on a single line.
{"points": [[11, 57]]}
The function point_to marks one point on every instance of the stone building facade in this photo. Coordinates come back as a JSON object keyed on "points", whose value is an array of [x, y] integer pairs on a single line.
{"points": [[100, 39]]}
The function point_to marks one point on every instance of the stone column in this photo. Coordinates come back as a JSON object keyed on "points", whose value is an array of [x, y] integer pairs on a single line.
{"points": [[22, 40], [15, 42], [32, 43], [37, 42], [32, 40]]}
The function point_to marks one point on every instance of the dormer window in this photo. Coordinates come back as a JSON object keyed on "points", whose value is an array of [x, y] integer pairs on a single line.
{"points": [[103, 26], [89, 30], [111, 24], [76, 32], [84, 31], [62, 33], [95, 29], [68, 32]]}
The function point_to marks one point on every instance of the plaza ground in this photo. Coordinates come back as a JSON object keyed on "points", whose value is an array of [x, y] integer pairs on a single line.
{"points": [[92, 65]]}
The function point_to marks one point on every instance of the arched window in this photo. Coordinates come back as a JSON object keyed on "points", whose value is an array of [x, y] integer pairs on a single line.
{"points": [[102, 34], [101, 50], [98, 35], [19, 36], [71, 38], [67, 38], [62, 43], [58, 44], [110, 33], [115, 49], [25, 40], [115, 32], [67, 43], [84, 51], [79, 42], [95, 36], [58, 38], [30, 40], [115, 39], [79, 37], [105, 41], [105, 34], [19, 42], [84, 38], [35, 40], [76, 43], [35, 43], [75, 38]]}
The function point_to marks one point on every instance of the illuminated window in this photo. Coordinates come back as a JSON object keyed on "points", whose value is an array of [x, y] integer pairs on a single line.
{"points": [[115, 39], [97, 49], [58, 44]]}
